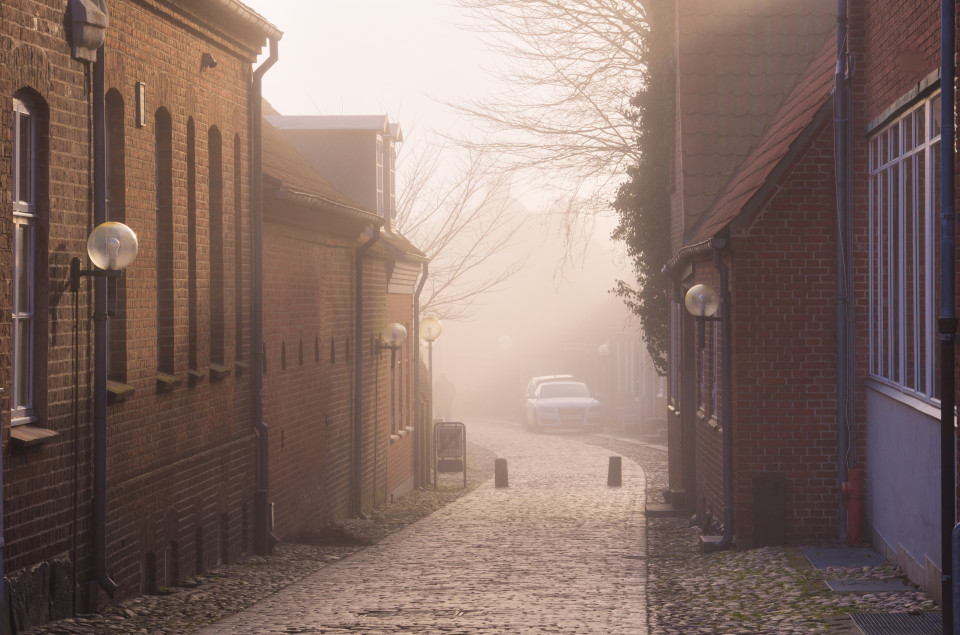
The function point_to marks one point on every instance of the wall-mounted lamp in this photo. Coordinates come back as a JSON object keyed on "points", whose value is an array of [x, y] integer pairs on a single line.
{"points": [[702, 302], [392, 338], [207, 60], [112, 247]]}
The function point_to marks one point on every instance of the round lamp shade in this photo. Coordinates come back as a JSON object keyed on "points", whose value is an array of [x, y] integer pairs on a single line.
{"points": [[430, 328], [393, 334], [112, 246], [701, 300]]}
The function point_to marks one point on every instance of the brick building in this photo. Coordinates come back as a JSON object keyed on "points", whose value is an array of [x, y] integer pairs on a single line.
{"points": [[181, 452], [824, 362], [352, 160]]}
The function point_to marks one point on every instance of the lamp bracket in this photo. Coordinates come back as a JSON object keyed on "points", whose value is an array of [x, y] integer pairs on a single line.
{"points": [[76, 273]]}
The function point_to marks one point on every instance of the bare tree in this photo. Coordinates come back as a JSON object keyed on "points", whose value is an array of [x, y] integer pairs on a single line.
{"points": [[458, 210], [565, 113]]}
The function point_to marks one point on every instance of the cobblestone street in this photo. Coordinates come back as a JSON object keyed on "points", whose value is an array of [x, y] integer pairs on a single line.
{"points": [[556, 552]]}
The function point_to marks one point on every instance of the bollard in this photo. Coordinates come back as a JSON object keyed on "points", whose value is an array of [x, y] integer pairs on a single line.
{"points": [[500, 473], [613, 472]]}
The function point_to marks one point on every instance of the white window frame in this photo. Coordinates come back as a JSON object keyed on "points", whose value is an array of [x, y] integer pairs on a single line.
{"points": [[380, 205], [23, 317], [903, 248]]}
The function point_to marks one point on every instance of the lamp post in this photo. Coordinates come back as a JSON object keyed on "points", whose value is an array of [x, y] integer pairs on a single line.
{"points": [[603, 351], [430, 329], [112, 247]]}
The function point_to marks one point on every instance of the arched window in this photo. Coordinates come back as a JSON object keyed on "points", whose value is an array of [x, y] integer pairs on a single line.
{"points": [[238, 244], [25, 227], [165, 269], [116, 211], [193, 323]]}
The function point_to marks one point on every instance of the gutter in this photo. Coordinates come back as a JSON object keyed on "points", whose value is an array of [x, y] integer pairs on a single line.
{"points": [[418, 430], [358, 375], [319, 202], [685, 255], [263, 537]]}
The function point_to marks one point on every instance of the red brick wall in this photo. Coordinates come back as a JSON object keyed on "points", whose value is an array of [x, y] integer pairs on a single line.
{"points": [[180, 463], [896, 43], [376, 387], [784, 299], [709, 448], [401, 447]]}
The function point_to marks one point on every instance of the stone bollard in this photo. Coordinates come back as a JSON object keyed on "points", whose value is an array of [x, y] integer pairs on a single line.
{"points": [[613, 472], [500, 473]]}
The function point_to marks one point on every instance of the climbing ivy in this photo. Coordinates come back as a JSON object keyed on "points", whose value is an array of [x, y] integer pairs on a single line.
{"points": [[643, 200]]}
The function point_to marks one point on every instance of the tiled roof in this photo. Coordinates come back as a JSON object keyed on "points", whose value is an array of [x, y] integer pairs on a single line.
{"points": [[282, 161], [737, 61], [799, 109]]}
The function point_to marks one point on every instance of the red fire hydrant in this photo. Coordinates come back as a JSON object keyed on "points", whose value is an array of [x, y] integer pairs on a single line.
{"points": [[851, 492]]}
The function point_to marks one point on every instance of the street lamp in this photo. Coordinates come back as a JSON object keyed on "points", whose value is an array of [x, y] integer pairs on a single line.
{"points": [[430, 329], [111, 247], [606, 392], [702, 302]]}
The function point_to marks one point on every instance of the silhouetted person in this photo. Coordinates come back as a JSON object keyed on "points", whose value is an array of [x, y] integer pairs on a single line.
{"points": [[444, 392]]}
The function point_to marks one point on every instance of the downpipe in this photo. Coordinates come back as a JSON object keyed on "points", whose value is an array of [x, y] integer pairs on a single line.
{"points": [[841, 132], [101, 579], [418, 480], [263, 536], [358, 376], [948, 318], [726, 392]]}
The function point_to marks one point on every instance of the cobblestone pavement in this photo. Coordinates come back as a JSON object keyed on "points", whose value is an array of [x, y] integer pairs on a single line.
{"points": [[555, 552], [523, 559]]}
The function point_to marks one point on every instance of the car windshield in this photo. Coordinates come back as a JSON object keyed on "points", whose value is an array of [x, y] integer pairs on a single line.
{"points": [[564, 390]]}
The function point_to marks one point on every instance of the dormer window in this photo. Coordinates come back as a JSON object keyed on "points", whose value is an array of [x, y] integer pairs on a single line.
{"points": [[380, 209]]}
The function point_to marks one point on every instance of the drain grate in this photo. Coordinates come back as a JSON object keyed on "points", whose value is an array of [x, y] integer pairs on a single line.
{"points": [[899, 623], [845, 557], [867, 586]]}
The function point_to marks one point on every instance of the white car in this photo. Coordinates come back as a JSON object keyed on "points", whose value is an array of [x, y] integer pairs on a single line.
{"points": [[558, 405], [529, 391]]}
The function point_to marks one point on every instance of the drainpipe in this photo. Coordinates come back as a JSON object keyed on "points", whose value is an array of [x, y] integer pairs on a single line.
{"points": [[726, 393], [418, 429], [101, 579], [358, 377], [948, 317], [841, 130], [263, 537]]}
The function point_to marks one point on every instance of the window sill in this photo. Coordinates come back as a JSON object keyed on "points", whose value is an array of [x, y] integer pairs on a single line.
{"points": [[118, 391], [167, 382], [911, 401], [218, 372], [195, 376], [25, 436], [242, 368], [394, 438], [409, 429]]}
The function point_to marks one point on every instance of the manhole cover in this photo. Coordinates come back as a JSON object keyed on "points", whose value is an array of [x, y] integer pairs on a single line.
{"points": [[845, 557], [899, 623], [867, 586]]}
